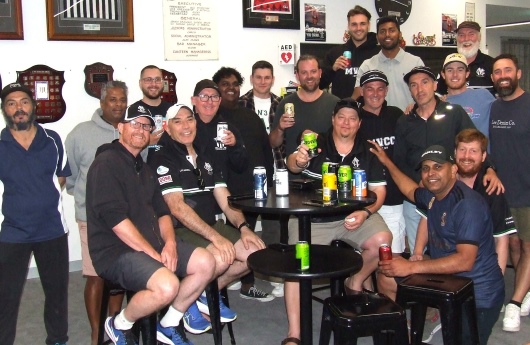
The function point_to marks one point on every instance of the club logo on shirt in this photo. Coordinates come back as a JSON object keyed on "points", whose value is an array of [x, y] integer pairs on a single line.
{"points": [[431, 202], [481, 72], [165, 179], [442, 222], [208, 168], [355, 162], [161, 170]]}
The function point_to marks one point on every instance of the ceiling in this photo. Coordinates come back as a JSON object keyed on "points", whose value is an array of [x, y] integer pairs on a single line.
{"points": [[496, 14]]}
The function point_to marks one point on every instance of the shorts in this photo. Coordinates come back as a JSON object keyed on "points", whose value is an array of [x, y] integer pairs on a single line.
{"points": [[133, 269], [86, 261], [324, 233], [228, 232], [393, 217], [521, 216]]}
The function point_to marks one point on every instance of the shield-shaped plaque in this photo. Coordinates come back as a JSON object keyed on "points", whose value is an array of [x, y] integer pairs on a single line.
{"points": [[95, 75], [47, 87], [170, 87]]}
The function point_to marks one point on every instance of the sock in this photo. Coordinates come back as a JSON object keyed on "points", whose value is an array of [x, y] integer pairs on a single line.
{"points": [[515, 303], [120, 322], [172, 317]]}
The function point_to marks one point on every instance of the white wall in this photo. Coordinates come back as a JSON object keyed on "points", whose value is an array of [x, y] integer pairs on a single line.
{"points": [[238, 47]]}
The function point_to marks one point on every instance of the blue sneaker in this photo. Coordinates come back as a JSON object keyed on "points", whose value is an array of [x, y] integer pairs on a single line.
{"points": [[118, 336], [171, 336], [194, 322], [227, 315]]}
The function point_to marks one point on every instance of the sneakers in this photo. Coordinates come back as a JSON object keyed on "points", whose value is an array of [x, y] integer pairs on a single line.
{"points": [[227, 315], [512, 318], [525, 305], [256, 294], [194, 322], [118, 336], [171, 336], [234, 286], [278, 289]]}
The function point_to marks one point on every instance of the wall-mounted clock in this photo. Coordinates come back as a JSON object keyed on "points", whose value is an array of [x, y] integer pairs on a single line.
{"points": [[398, 8]]}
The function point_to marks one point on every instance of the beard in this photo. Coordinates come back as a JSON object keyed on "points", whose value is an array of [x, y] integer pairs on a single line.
{"points": [[505, 91], [20, 126], [156, 96], [465, 170], [308, 88], [468, 52]]}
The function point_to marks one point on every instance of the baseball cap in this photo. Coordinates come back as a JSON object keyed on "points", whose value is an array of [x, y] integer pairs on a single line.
{"points": [[419, 69], [373, 75], [205, 84], [346, 103], [435, 153], [136, 111], [468, 25], [455, 57], [174, 109], [14, 87]]}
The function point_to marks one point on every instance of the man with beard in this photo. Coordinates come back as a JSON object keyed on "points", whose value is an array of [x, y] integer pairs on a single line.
{"points": [[81, 146], [336, 69], [393, 61], [33, 171], [313, 107], [509, 128], [480, 65]]}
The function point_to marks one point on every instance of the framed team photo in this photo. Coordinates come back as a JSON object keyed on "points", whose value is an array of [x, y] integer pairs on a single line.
{"points": [[271, 14], [11, 20], [90, 20]]}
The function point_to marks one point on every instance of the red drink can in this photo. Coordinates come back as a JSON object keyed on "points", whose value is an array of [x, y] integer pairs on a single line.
{"points": [[347, 55], [385, 252]]}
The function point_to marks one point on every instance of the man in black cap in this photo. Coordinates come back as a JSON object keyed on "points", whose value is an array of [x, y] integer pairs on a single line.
{"points": [[33, 171], [460, 233]]}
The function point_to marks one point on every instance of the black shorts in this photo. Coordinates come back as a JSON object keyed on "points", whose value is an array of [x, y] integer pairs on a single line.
{"points": [[133, 269]]}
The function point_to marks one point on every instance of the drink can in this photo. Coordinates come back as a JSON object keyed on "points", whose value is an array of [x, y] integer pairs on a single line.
{"points": [[347, 55], [329, 184], [359, 178], [310, 139], [302, 254], [260, 183], [325, 167], [159, 122], [344, 178], [385, 252], [282, 201], [221, 128], [289, 109], [282, 182]]}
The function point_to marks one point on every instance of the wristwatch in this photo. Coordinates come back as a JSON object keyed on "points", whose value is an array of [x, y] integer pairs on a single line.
{"points": [[242, 225]]}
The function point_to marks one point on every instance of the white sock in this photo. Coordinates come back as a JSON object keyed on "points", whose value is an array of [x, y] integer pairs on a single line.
{"points": [[120, 322], [172, 317]]}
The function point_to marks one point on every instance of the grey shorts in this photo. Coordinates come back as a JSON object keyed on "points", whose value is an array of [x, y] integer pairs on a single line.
{"points": [[228, 232], [521, 216]]}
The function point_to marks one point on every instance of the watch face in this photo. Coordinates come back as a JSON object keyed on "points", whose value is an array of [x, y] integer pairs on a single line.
{"points": [[397, 8]]}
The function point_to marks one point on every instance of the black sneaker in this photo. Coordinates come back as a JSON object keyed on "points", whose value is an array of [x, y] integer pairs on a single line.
{"points": [[256, 294]]}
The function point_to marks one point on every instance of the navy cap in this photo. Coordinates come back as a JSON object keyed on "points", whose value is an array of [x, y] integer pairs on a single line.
{"points": [[419, 69]]}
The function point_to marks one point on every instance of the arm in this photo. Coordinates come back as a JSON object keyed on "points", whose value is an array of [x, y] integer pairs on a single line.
{"points": [[299, 160], [236, 151], [501, 247], [62, 181], [422, 237], [169, 252], [277, 134], [72, 161], [129, 234]]}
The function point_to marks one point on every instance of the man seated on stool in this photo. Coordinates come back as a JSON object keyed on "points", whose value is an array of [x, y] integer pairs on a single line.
{"points": [[192, 187], [365, 230], [460, 235], [131, 238]]}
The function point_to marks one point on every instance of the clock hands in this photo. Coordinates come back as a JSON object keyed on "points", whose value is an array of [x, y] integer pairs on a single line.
{"points": [[402, 4]]}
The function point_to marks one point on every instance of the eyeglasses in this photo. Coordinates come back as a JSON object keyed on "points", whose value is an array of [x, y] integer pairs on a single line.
{"points": [[150, 80], [200, 180], [144, 126], [205, 98]]}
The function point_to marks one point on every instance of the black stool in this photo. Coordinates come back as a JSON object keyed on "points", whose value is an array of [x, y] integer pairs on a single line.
{"points": [[361, 314], [212, 296], [450, 294]]}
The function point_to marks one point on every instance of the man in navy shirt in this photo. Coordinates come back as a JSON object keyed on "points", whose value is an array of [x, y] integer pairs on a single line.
{"points": [[33, 170]]}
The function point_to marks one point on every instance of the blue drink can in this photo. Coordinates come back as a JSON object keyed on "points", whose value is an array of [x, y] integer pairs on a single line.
{"points": [[260, 183], [359, 179]]}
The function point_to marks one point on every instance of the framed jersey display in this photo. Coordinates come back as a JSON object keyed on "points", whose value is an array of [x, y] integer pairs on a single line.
{"points": [[271, 14], [11, 20], [397, 8]]}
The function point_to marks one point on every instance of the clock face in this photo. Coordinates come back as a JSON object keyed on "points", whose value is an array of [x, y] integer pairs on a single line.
{"points": [[397, 8]]}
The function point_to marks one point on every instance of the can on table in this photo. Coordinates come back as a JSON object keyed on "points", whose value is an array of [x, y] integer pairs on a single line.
{"points": [[329, 184], [302, 254], [344, 178], [289, 109], [260, 183], [359, 180], [221, 128], [325, 168], [282, 182], [347, 55], [310, 139], [385, 252], [159, 122]]}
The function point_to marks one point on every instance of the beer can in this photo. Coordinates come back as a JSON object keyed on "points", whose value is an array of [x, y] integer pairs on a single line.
{"points": [[329, 184], [344, 178], [359, 178], [282, 182], [325, 168], [221, 128], [385, 252], [347, 55], [302, 254], [289, 109], [260, 183], [310, 139], [159, 122]]}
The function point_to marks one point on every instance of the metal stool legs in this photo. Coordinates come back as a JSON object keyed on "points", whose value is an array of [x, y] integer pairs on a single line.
{"points": [[212, 296]]}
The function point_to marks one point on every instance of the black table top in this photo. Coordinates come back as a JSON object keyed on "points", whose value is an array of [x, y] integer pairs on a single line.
{"points": [[324, 262]]}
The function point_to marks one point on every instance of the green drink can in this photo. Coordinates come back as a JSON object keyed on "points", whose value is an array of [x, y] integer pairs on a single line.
{"points": [[310, 139], [344, 179], [302, 254], [325, 166]]}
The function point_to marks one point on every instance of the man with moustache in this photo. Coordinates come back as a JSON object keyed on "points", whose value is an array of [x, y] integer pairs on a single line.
{"points": [[480, 65], [509, 128], [393, 61], [81, 146], [362, 45], [33, 170]]}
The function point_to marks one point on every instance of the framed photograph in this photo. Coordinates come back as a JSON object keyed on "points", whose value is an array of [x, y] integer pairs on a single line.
{"points": [[90, 20], [11, 20], [271, 14]]}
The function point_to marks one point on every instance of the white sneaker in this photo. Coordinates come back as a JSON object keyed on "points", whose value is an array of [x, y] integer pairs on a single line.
{"points": [[234, 286], [278, 289], [512, 318], [525, 305]]}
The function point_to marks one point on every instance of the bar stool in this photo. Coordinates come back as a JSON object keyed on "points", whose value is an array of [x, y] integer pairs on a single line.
{"points": [[450, 294], [212, 296], [361, 314]]}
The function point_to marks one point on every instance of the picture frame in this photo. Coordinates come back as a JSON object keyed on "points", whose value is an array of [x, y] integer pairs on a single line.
{"points": [[73, 20], [271, 14], [11, 20]]}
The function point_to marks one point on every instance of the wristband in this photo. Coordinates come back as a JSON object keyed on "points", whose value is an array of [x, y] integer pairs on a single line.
{"points": [[367, 211], [242, 225], [305, 166]]}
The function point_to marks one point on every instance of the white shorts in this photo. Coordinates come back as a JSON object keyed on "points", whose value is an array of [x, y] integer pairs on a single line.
{"points": [[393, 216]]}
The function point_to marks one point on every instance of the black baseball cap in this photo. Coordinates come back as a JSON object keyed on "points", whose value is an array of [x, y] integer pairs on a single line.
{"points": [[134, 112], [205, 84], [347, 103], [435, 153], [373, 75], [419, 69], [14, 87]]}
